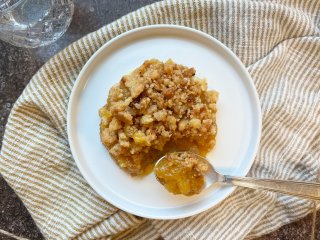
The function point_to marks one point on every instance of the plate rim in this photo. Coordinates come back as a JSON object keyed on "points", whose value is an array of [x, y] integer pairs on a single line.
{"points": [[77, 82]]}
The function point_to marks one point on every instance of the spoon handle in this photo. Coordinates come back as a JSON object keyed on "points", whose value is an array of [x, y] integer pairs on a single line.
{"points": [[299, 189]]}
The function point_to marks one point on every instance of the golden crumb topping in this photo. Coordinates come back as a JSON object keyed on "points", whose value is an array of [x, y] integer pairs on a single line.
{"points": [[157, 108]]}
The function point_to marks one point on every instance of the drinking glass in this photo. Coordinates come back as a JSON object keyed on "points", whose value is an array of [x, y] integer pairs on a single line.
{"points": [[34, 23]]}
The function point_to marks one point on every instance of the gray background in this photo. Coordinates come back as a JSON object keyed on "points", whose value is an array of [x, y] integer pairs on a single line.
{"points": [[17, 66]]}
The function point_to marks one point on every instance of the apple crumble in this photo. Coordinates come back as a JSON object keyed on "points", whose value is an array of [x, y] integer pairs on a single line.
{"points": [[158, 108], [182, 173]]}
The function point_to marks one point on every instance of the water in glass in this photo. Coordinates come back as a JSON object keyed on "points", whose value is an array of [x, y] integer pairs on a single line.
{"points": [[34, 23]]}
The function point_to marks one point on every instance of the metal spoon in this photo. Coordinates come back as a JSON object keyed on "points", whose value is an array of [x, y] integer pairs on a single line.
{"points": [[294, 188]]}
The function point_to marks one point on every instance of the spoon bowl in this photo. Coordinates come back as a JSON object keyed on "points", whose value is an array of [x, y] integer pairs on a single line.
{"points": [[305, 190]]}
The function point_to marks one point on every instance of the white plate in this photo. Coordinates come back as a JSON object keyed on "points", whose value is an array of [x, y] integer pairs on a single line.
{"points": [[238, 117]]}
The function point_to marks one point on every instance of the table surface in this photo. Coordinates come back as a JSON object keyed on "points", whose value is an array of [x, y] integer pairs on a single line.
{"points": [[18, 65]]}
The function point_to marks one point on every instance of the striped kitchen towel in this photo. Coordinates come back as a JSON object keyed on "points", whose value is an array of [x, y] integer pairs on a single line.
{"points": [[278, 41]]}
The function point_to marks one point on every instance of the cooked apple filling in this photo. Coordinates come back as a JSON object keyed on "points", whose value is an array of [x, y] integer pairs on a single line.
{"points": [[182, 173]]}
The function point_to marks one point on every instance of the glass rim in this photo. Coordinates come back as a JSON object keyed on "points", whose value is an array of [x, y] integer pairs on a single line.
{"points": [[7, 5]]}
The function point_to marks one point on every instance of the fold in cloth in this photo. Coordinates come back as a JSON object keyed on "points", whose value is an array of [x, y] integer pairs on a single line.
{"points": [[278, 41]]}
